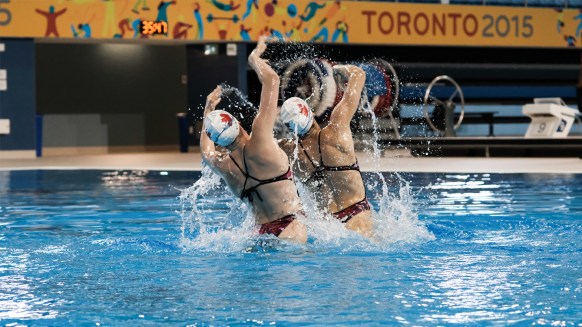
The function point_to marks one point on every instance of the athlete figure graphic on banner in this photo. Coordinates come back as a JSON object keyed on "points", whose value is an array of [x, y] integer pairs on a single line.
{"points": [[51, 20]]}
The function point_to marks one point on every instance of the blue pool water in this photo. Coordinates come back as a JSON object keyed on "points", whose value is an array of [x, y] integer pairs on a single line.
{"points": [[130, 248]]}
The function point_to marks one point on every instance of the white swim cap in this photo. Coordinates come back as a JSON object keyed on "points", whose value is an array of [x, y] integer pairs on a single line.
{"points": [[296, 114], [221, 127]]}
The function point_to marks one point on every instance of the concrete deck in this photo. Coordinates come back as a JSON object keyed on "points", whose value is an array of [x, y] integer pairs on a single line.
{"points": [[192, 161]]}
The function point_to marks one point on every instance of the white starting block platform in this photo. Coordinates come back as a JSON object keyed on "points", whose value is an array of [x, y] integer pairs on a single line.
{"points": [[550, 117]]}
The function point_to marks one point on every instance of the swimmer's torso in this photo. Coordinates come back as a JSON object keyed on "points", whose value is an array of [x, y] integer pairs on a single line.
{"points": [[347, 186], [305, 171], [335, 190], [269, 201]]}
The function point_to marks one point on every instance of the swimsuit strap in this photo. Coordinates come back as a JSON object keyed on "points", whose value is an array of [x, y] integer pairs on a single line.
{"points": [[237, 166], [247, 193], [319, 149], [286, 175], [243, 172], [245, 163], [353, 166], [319, 169], [309, 157], [317, 172]]}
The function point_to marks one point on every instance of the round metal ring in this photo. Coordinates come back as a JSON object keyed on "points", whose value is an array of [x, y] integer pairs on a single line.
{"points": [[458, 90]]}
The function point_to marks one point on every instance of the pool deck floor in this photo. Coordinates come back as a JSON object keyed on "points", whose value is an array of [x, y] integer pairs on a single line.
{"points": [[173, 161]]}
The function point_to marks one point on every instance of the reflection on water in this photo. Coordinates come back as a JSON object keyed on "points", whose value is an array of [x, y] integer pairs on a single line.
{"points": [[479, 194], [470, 292], [17, 291], [123, 179]]}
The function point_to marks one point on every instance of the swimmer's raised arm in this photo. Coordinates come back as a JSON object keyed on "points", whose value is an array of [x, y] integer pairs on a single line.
{"points": [[267, 115], [344, 111], [207, 148]]}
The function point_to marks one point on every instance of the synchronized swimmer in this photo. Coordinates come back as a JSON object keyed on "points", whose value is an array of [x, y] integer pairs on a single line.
{"points": [[327, 162], [254, 166], [257, 166]]}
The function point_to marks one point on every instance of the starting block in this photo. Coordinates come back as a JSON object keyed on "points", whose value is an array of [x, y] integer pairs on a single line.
{"points": [[550, 117]]}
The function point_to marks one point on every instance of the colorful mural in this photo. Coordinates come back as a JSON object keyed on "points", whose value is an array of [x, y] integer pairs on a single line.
{"points": [[299, 20]]}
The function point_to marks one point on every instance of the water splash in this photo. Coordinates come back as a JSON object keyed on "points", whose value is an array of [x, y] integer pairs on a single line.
{"points": [[281, 54], [213, 220], [216, 221], [396, 220], [212, 217]]}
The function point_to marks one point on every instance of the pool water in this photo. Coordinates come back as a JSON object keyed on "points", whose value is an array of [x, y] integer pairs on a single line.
{"points": [[134, 248]]}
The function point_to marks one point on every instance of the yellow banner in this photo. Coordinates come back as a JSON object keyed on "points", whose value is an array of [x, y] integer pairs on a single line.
{"points": [[300, 20]]}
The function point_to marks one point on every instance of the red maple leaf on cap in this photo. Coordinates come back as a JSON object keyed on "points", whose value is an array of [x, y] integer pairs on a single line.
{"points": [[226, 119], [303, 109]]}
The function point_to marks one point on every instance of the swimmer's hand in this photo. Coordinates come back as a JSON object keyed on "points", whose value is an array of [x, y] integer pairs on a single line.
{"points": [[349, 70], [260, 49], [260, 65], [212, 100]]}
